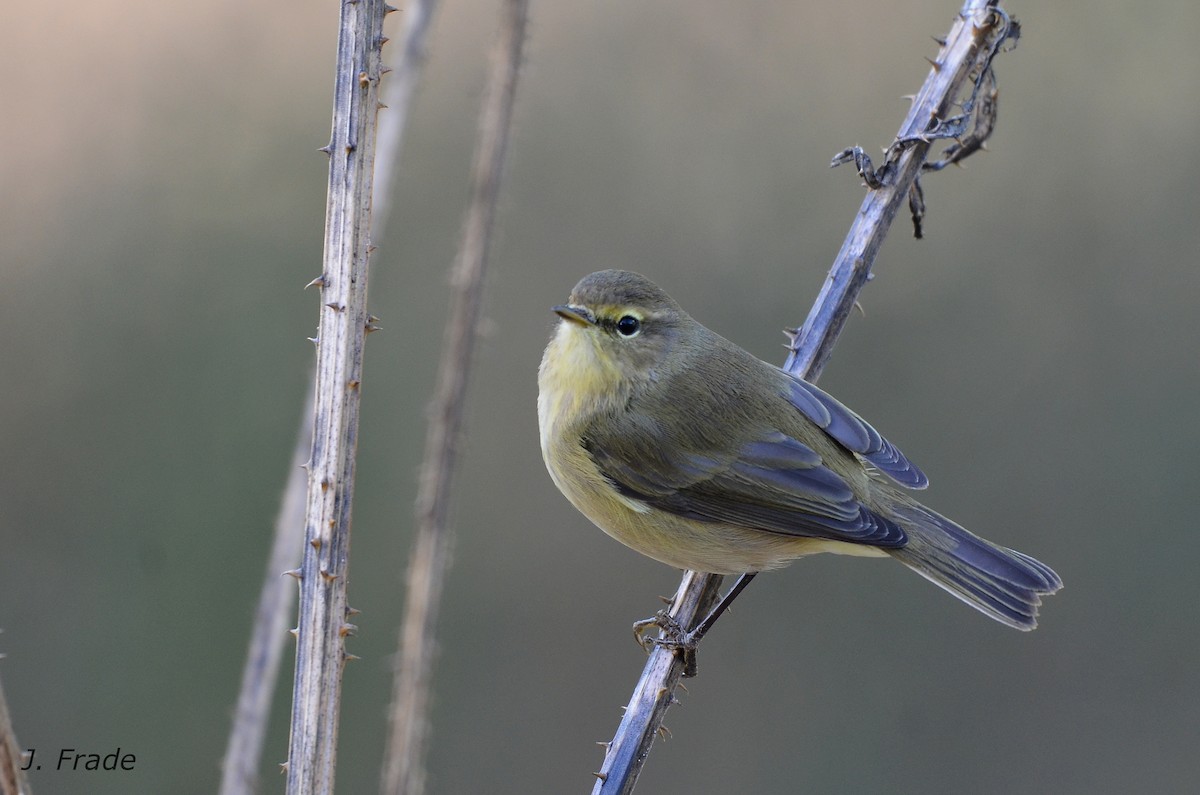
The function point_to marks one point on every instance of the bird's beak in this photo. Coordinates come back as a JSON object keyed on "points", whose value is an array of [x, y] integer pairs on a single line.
{"points": [[574, 314]]}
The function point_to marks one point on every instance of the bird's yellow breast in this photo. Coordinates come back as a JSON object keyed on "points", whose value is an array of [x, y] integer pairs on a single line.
{"points": [[575, 381]]}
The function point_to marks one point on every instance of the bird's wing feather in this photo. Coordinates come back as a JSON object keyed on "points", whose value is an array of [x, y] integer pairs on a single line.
{"points": [[854, 433], [773, 483]]}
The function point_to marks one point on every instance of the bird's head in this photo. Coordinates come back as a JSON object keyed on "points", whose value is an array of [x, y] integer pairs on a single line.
{"points": [[619, 330]]}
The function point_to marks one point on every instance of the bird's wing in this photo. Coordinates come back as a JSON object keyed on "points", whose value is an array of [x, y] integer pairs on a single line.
{"points": [[774, 483], [854, 433]]}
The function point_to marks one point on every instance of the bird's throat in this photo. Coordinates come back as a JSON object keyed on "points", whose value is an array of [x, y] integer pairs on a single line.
{"points": [[577, 378]]}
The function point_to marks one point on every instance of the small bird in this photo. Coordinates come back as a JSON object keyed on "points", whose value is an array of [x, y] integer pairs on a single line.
{"points": [[694, 452]]}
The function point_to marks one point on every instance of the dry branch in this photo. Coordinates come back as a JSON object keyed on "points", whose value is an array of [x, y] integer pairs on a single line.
{"points": [[324, 615], [12, 774], [397, 98], [244, 750], [404, 755], [243, 754], [974, 38]]}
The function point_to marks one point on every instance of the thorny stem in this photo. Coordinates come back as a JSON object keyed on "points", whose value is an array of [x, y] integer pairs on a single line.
{"points": [[972, 37], [324, 623]]}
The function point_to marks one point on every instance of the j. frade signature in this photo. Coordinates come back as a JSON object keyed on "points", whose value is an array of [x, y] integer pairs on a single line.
{"points": [[71, 759]]}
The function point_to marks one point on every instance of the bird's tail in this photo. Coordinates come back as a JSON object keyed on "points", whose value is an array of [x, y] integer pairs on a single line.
{"points": [[1003, 583]]}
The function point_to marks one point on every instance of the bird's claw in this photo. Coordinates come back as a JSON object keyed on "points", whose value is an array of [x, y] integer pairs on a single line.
{"points": [[672, 636]]}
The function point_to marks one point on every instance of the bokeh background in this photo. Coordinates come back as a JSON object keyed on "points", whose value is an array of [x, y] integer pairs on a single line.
{"points": [[161, 206]]}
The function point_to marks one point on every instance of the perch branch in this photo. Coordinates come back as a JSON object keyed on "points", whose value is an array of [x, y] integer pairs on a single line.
{"points": [[976, 34]]}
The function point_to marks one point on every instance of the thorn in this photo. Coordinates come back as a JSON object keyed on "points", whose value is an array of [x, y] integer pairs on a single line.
{"points": [[371, 248], [307, 465], [937, 67], [623, 708], [350, 657], [663, 732], [909, 97], [327, 577], [372, 319], [666, 600], [355, 384], [335, 306], [941, 42], [605, 744], [683, 687], [380, 106], [283, 768], [383, 40], [860, 309], [347, 630], [353, 611], [317, 282], [295, 632], [327, 149], [387, 9], [601, 776], [371, 328], [313, 340], [293, 573], [383, 70], [315, 543], [662, 691]]}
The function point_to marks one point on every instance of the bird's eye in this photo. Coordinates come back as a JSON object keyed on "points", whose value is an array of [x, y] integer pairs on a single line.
{"points": [[628, 326]]}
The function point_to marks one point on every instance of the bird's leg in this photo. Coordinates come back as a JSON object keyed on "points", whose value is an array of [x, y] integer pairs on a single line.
{"points": [[659, 620], [673, 635], [662, 620]]}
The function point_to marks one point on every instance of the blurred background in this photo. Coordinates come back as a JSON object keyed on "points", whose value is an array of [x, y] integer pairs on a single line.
{"points": [[161, 207]]}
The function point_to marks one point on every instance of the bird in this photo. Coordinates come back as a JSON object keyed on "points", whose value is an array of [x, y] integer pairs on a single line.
{"points": [[694, 452]]}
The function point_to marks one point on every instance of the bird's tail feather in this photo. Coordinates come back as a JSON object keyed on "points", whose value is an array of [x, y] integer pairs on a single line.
{"points": [[1003, 583]]}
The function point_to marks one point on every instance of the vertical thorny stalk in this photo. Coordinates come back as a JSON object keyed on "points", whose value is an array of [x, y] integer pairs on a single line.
{"points": [[12, 774], [975, 37], [244, 749], [403, 765], [324, 614]]}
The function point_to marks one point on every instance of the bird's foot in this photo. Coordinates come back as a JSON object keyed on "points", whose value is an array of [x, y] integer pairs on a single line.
{"points": [[671, 636]]}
